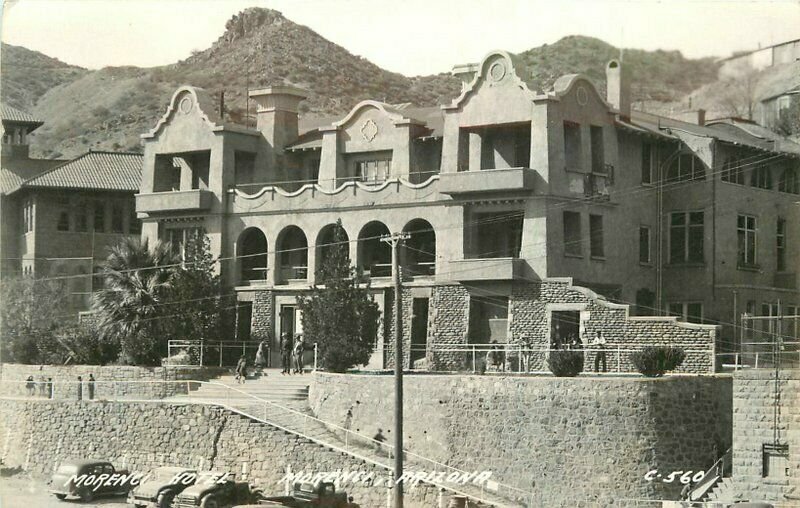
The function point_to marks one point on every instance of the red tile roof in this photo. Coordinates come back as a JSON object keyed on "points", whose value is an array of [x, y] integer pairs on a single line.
{"points": [[120, 171]]}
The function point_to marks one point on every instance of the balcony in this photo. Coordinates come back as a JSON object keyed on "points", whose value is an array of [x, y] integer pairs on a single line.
{"points": [[174, 201], [487, 180], [293, 274], [486, 269]]}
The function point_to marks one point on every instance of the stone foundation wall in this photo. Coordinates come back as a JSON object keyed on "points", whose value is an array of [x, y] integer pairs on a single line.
{"points": [[569, 441], [753, 426], [111, 380], [142, 436], [449, 322]]}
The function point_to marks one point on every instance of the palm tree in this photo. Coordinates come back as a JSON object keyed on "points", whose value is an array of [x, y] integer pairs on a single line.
{"points": [[137, 277]]}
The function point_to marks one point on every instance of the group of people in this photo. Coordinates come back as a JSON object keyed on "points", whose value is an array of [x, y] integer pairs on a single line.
{"points": [[291, 355], [598, 345], [46, 387]]}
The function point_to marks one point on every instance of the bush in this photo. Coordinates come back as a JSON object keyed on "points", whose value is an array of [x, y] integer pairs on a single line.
{"points": [[565, 363], [654, 361]]}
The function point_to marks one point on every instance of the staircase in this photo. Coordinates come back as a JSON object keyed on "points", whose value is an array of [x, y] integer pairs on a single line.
{"points": [[282, 401], [722, 491]]}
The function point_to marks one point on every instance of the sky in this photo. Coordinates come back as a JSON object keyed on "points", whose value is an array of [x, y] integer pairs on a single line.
{"points": [[409, 36]]}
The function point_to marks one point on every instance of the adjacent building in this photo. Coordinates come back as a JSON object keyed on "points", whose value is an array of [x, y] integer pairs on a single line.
{"points": [[531, 216], [59, 217]]}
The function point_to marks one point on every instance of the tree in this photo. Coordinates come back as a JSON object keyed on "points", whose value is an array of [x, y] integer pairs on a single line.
{"points": [[341, 316], [788, 123], [130, 306], [195, 302], [738, 97], [32, 313]]}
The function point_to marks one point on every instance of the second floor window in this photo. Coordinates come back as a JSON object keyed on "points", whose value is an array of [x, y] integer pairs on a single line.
{"points": [[686, 233], [598, 155], [746, 234], [572, 146], [596, 245], [572, 234], [780, 245], [99, 217], [27, 216], [62, 204], [789, 181], [732, 171], [761, 177], [644, 244], [686, 167], [374, 170], [81, 217], [117, 218]]}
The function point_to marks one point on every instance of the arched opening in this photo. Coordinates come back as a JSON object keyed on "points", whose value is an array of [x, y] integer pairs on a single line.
{"points": [[292, 255], [419, 250], [252, 255], [374, 256], [328, 243], [686, 167]]}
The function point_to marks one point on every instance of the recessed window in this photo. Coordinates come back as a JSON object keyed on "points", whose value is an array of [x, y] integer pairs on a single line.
{"points": [[572, 146], [686, 233], [761, 177], [644, 244], [686, 311], [775, 460], [780, 245], [117, 218], [598, 155], [732, 171], [99, 216], [572, 234], [789, 181], [81, 216], [27, 215], [746, 234], [686, 167], [596, 244], [647, 163]]}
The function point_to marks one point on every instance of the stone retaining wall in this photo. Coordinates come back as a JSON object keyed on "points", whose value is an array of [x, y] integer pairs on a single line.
{"points": [[142, 436], [568, 440], [754, 425], [111, 380]]}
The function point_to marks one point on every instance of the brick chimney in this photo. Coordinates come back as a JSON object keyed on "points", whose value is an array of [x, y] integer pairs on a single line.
{"points": [[701, 116], [276, 115], [618, 88]]}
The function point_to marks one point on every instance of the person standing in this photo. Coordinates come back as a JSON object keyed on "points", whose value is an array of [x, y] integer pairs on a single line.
{"points": [[80, 388], [261, 356], [30, 385], [599, 344], [49, 388], [298, 353], [241, 370], [90, 386], [42, 386], [378, 439], [286, 353]]}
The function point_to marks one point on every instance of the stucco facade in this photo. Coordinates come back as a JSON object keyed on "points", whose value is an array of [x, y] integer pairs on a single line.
{"points": [[503, 189]]}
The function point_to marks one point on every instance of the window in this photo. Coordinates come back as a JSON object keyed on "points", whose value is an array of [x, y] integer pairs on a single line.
{"points": [[598, 157], [732, 171], [686, 167], [179, 239], [686, 237], [134, 224], [62, 204], [99, 220], [572, 234], [780, 245], [647, 163], [572, 146], [596, 247], [81, 216], [761, 177], [374, 170], [775, 460], [746, 233], [27, 215], [117, 225], [789, 181], [686, 311], [644, 244]]}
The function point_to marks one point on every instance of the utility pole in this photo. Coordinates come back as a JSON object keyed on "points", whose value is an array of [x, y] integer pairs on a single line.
{"points": [[394, 240]]}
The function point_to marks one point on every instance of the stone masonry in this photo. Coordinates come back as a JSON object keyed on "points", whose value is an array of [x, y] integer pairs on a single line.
{"points": [[37, 435], [449, 323], [753, 427], [263, 312], [568, 441]]}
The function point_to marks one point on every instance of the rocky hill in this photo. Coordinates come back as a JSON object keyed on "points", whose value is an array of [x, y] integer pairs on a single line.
{"points": [[109, 108]]}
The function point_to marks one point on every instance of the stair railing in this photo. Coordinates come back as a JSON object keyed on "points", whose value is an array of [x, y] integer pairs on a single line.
{"points": [[712, 476]]}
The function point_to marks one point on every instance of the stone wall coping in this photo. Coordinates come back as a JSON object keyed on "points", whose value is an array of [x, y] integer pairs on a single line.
{"points": [[766, 374], [534, 378]]}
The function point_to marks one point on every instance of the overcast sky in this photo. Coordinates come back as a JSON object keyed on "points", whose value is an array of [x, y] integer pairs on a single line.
{"points": [[408, 36]]}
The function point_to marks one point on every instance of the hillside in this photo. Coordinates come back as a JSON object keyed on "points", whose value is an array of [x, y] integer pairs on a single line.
{"points": [[27, 75], [110, 108]]}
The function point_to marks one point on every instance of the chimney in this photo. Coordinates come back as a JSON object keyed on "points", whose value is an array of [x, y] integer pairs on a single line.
{"points": [[276, 114], [701, 117], [618, 88], [466, 73]]}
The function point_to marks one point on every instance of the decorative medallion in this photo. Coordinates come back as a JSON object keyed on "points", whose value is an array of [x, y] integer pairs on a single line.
{"points": [[582, 96], [185, 105], [497, 71], [369, 130]]}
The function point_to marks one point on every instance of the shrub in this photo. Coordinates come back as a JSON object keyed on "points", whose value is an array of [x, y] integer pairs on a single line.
{"points": [[654, 361], [565, 363]]}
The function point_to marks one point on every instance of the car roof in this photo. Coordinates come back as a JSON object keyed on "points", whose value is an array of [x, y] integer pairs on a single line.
{"points": [[174, 469], [83, 462]]}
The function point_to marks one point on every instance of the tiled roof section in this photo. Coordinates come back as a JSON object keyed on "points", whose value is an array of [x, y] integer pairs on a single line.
{"points": [[12, 114], [15, 171], [94, 170]]}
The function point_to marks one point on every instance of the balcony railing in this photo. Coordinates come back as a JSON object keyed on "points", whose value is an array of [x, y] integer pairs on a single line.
{"points": [[421, 269], [487, 180], [378, 270], [254, 274], [195, 199], [299, 272]]}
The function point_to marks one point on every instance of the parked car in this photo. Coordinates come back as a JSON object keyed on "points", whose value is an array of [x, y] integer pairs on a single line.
{"points": [[81, 478], [213, 489], [161, 486], [312, 495]]}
